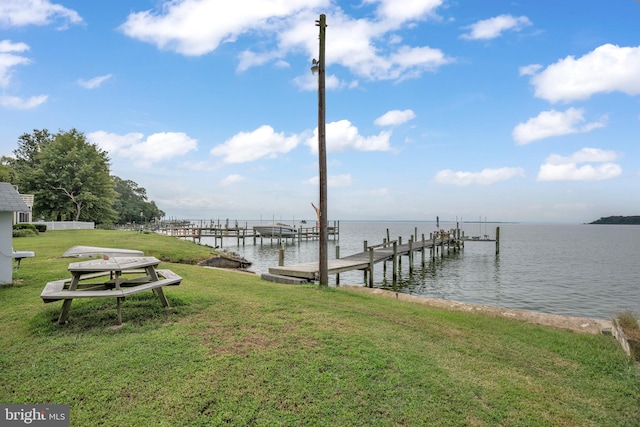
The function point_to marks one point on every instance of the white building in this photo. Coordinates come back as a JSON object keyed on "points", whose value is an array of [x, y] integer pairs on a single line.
{"points": [[10, 203], [21, 217]]}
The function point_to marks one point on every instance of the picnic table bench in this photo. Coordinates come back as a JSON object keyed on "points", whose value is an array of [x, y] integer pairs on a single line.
{"points": [[87, 282], [20, 255]]}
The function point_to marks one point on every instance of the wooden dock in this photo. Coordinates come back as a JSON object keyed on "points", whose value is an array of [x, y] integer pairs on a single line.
{"points": [[437, 244]]}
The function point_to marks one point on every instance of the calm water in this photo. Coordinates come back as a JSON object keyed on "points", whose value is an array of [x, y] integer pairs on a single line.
{"points": [[577, 270]]}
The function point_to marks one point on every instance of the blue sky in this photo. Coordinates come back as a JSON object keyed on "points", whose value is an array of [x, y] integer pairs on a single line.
{"points": [[509, 110]]}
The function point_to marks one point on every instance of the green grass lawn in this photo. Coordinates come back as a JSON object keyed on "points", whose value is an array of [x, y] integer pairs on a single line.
{"points": [[236, 350]]}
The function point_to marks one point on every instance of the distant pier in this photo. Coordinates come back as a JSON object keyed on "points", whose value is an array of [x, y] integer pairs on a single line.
{"points": [[242, 233]]}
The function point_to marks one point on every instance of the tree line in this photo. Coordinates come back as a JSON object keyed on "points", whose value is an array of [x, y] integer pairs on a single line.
{"points": [[70, 180], [618, 220]]}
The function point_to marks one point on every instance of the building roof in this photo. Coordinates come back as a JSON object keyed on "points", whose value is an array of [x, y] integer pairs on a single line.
{"points": [[10, 200]]}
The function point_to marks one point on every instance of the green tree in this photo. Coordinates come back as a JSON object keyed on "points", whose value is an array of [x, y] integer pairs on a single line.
{"points": [[25, 162], [131, 203], [7, 174], [30, 145], [68, 176]]}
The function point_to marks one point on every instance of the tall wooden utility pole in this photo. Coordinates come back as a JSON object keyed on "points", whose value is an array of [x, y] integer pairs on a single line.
{"points": [[323, 270]]}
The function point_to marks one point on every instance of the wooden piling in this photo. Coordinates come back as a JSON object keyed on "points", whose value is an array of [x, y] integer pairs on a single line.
{"points": [[497, 240], [395, 260], [371, 263], [365, 248], [411, 255], [337, 257]]}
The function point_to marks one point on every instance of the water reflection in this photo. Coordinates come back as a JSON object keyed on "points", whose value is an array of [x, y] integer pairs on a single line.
{"points": [[574, 270]]}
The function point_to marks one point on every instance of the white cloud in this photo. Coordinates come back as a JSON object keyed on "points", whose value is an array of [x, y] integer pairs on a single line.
{"points": [[17, 103], [567, 168], [309, 82], [94, 82], [484, 177], [248, 59], [9, 46], [529, 70], [343, 180], [395, 117], [411, 10], [585, 155], [18, 13], [410, 62], [8, 59], [249, 146], [232, 179], [342, 135], [494, 27], [144, 152], [367, 47], [197, 27], [553, 123], [608, 68]]}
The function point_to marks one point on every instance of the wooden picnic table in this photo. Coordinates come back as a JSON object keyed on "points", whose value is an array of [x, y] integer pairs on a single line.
{"points": [[118, 285]]}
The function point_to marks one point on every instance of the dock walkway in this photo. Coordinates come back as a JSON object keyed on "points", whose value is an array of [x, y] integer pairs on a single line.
{"points": [[389, 251]]}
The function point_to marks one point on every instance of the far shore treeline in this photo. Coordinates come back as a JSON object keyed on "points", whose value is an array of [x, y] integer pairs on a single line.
{"points": [[618, 220], [70, 180]]}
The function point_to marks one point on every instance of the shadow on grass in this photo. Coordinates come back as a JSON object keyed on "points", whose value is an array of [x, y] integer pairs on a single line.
{"points": [[139, 312]]}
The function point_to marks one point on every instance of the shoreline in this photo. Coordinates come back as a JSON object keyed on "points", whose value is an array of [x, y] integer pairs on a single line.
{"points": [[576, 324], [586, 325]]}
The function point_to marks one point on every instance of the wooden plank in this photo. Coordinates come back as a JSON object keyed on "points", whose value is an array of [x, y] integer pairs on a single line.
{"points": [[112, 264], [167, 274], [309, 270], [54, 291], [151, 285], [359, 261], [67, 295], [52, 287]]}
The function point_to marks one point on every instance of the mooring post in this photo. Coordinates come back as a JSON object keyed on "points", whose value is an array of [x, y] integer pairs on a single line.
{"points": [[497, 240], [281, 256], [395, 260], [411, 255], [365, 249], [433, 246], [337, 257], [371, 267], [422, 250]]}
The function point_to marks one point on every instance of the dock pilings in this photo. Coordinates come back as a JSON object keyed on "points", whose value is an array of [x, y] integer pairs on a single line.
{"points": [[219, 231], [440, 243]]}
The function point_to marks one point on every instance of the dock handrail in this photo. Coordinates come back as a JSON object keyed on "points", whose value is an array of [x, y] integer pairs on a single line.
{"points": [[382, 245]]}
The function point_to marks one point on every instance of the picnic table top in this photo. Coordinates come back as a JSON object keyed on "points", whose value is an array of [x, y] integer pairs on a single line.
{"points": [[113, 264]]}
